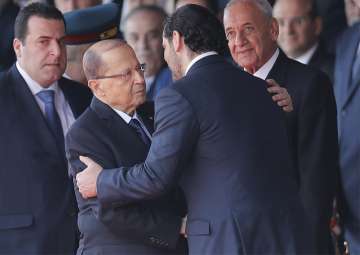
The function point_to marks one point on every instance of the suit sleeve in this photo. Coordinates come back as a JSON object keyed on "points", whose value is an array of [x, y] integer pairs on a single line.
{"points": [[318, 151], [176, 133], [157, 224]]}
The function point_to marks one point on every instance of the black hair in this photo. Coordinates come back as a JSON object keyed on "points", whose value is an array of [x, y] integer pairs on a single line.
{"points": [[201, 29], [211, 4], [41, 10]]}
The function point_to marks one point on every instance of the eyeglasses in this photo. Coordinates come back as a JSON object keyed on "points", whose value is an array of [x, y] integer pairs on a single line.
{"points": [[125, 75]]}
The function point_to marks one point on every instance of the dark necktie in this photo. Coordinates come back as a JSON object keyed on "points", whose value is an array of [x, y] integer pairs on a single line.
{"points": [[51, 116], [135, 124]]}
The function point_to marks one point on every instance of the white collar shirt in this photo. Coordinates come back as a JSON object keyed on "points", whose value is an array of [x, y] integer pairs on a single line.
{"points": [[127, 119], [264, 71], [305, 58], [197, 58], [62, 106]]}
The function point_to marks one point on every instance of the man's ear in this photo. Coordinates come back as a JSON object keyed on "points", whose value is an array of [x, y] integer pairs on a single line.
{"points": [[274, 29], [17, 45], [96, 88], [318, 25], [177, 41]]}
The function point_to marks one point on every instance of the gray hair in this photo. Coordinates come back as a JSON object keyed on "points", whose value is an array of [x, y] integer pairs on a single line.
{"points": [[263, 5]]}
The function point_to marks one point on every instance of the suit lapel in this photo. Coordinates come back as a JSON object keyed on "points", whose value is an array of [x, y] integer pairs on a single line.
{"points": [[349, 55], [278, 71], [72, 96], [31, 117], [146, 113], [120, 131]]}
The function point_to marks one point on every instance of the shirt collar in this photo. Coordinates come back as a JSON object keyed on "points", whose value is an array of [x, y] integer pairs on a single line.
{"points": [[34, 86], [197, 58], [263, 71], [305, 58], [149, 81], [126, 117]]}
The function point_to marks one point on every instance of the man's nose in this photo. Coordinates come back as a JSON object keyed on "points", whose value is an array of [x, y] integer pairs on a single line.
{"points": [[144, 43], [55, 48], [240, 39], [139, 76]]}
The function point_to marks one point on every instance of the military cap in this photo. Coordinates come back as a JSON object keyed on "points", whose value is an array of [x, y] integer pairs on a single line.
{"points": [[92, 24]]}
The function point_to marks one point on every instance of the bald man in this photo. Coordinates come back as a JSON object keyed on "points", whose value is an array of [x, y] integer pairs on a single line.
{"points": [[115, 131]]}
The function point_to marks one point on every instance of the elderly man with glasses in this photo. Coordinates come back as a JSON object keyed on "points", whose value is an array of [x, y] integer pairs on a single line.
{"points": [[116, 130]]}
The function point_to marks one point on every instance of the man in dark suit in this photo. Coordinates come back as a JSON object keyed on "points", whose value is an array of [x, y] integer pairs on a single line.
{"points": [[8, 12], [209, 137], [37, 106], [105, 133], [142, 29], [347, 93], [252, 35], [300, 27]]}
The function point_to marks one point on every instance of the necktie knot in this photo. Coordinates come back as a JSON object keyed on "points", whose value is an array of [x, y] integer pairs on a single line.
{"points": [[47, 96]]}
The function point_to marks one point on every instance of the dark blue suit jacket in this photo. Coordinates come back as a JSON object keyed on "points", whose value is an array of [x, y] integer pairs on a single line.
{"points": [[220, 135], [150, 227], [37, 203], [347, 95], [162, 80]]}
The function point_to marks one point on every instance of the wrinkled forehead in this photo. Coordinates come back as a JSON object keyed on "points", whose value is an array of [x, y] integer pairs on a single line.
{"points": [[240, 14], [119, 57]]}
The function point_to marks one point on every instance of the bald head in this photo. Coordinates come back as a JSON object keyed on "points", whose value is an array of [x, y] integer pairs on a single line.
{"points": [[93, 63]]}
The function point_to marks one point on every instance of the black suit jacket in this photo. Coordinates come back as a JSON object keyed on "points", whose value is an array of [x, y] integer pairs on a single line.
{"points": [[313, 136], [323, 61], [37, 202], [221, 136], [7, 20], [150, 227]]}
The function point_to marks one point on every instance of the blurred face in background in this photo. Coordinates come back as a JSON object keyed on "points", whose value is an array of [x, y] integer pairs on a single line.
{"points": [[143, 32], [299, 31], [135, 3], [203, 3], [70, 5], [352, 11]]}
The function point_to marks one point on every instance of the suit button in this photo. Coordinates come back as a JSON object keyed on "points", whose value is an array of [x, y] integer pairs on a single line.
{"points": [[343, 113]]}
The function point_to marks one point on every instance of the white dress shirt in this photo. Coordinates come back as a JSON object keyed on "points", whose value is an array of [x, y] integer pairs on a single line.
{"points": [[148, 82], [264, 71], [62, 106], [197, 58], [127, 119], [305, 58]]}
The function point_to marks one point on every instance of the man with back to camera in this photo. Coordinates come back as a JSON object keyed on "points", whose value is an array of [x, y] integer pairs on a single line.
{"points": [[252, 33], [108, 133], [236, 203], [37, 203]]}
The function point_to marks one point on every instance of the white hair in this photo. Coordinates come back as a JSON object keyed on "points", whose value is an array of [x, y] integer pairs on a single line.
{"points": [[263, 5]]}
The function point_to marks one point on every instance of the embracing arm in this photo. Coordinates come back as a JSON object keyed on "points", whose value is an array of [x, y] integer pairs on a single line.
{"points": [[172, 144]]}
